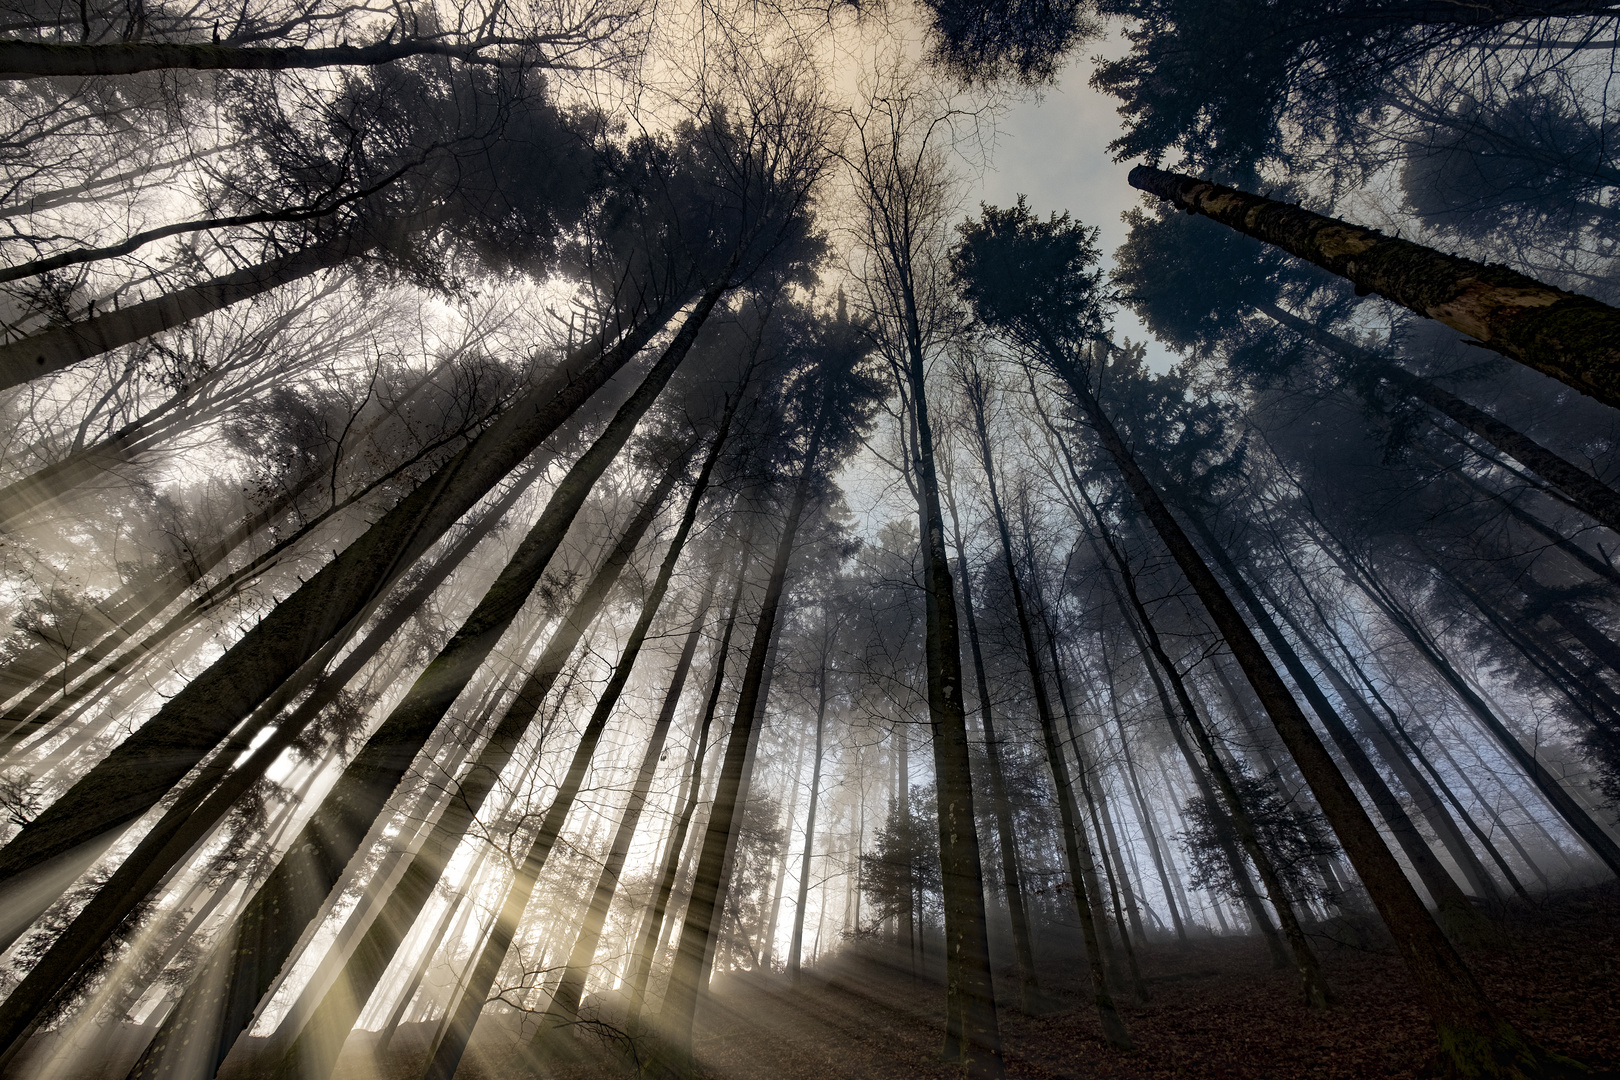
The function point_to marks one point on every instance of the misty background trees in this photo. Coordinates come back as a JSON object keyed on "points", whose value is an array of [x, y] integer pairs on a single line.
{"points": [[516, 522]]}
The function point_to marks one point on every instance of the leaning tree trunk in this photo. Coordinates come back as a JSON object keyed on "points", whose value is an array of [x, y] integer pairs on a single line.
{"points": [[210, 796], [269, 928], [725, 813], [459, 1025], [314, 1054], [767, 950], [1030, 998], [1596, 499], [137, 773], [796, 945], [31, 720], [1475, 1039], [60, 347], [1223, 831], [1572, 338], [971, 1023], [1456, 911], [1082, 770], [565, 1000], [1551, 788], [1423, 793], [1437, 782], [47, 59], [1082, 869], [273, 921], [1317, 994], [1150, 831], [653, 931]]}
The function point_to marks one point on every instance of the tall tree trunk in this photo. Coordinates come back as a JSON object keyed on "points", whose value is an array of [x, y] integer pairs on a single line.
{"points": [[723, 894], [1423, 793], [1551, 788], [1317, 995], [767, 950], [1082, 868], [1475, 1039], [209, 797], [315, 1053], [1144, 813], [1570, 337], [48, 59], [1082, 772], [1030, 998], [1111, 838], [796, 945], [565, 1000], [905, 925], [269, 928], [1595, 498], [1439, 782], [50, 351], [480, 974], [136, 774], [653, 931], [1456, 912], [1224, 832], [703, 911]]}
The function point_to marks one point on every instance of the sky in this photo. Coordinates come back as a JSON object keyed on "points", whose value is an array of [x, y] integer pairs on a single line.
{"points": [[1055, 150]]}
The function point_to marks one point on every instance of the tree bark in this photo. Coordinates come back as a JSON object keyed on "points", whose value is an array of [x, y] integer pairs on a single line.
{"points": [[972, 1033], [1572, 338]]}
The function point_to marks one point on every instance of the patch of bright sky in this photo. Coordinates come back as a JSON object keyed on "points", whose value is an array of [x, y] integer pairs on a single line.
{"points": [[1054, 149]]}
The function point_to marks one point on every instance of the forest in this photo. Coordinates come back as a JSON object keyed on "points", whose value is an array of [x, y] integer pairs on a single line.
{"points": [[563, 538]]}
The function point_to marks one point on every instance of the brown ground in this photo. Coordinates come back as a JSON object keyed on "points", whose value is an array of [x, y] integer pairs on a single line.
{"points": [[1218, 1010]]}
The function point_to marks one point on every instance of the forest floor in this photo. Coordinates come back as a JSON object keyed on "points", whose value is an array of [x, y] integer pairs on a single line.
{"points": [[1218, 1009]]}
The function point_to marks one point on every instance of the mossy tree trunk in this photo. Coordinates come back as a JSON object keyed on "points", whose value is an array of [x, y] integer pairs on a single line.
{"points": [[1572, 338]]}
